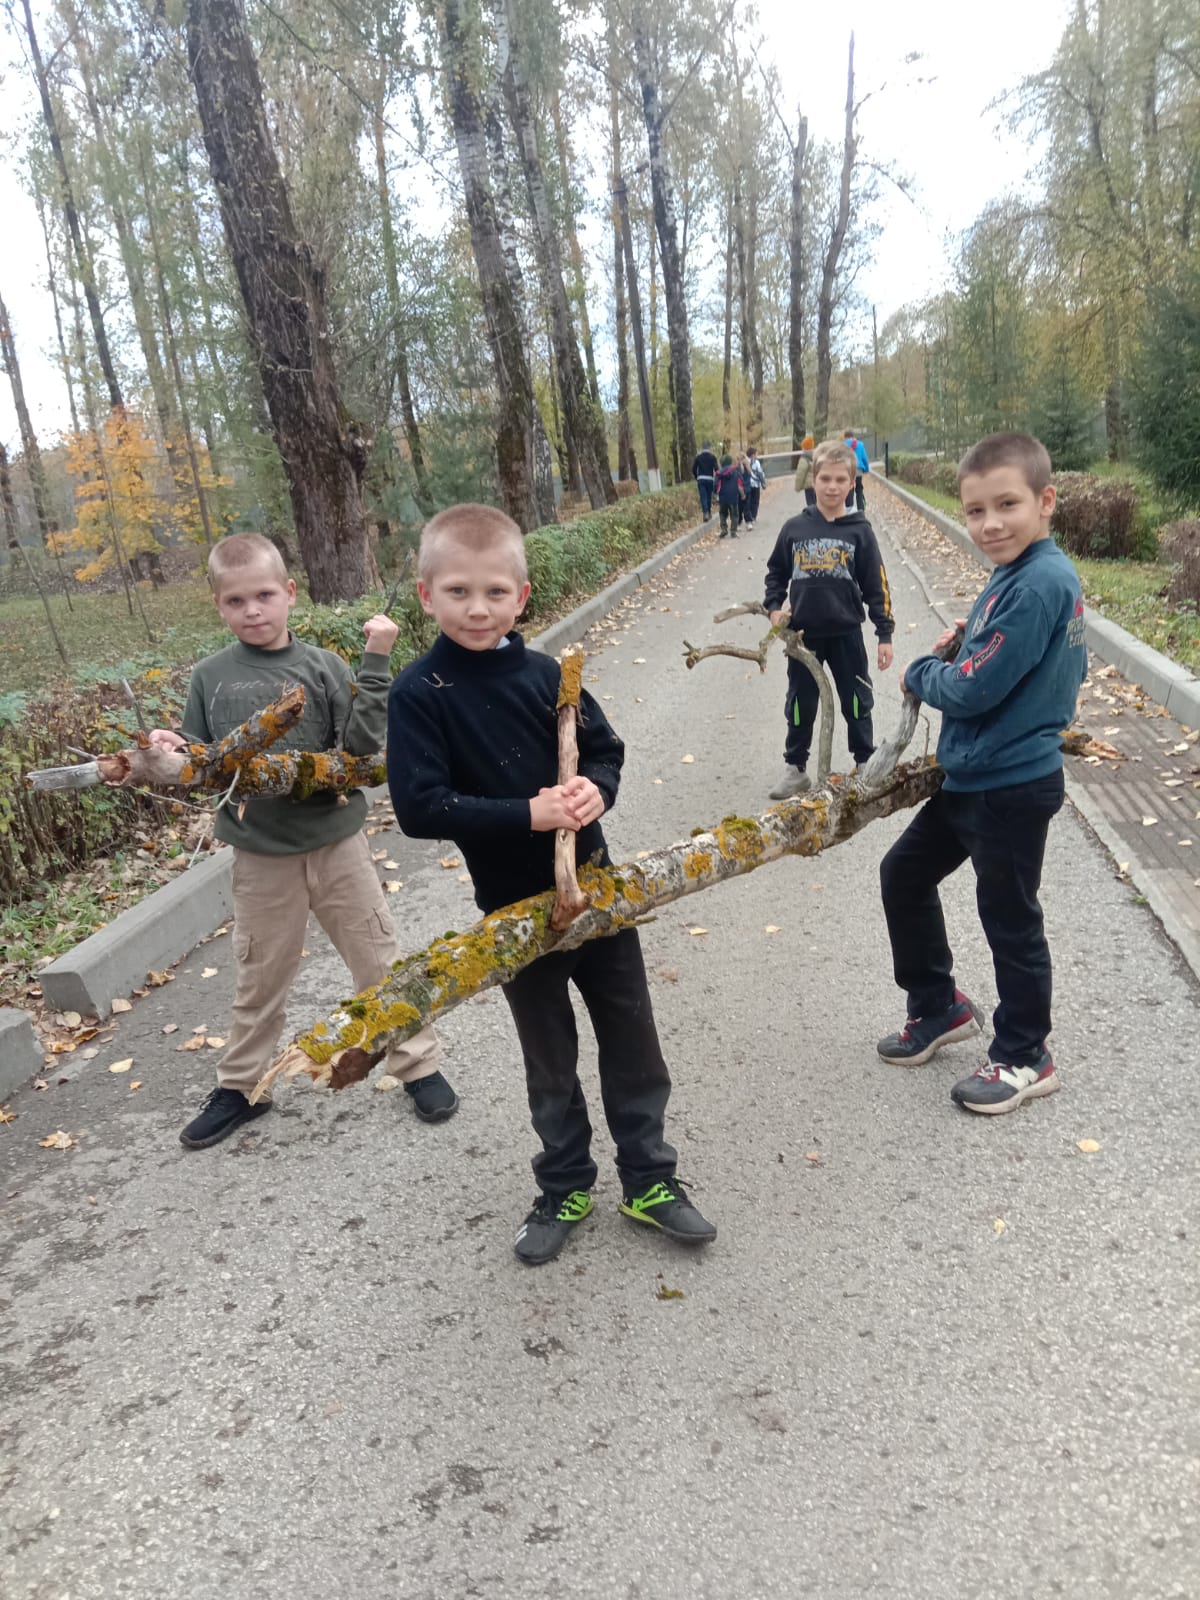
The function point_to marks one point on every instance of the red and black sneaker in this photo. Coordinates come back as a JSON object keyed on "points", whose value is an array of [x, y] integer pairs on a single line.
{"points": [[997, 1086], [922, 1037]]}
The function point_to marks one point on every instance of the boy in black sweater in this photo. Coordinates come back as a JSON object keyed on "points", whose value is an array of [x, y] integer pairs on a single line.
{"points": [[473, 757], [827, 563]]}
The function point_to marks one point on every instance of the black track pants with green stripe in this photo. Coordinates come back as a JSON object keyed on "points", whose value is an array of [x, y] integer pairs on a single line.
{"points": [[845, 656]]}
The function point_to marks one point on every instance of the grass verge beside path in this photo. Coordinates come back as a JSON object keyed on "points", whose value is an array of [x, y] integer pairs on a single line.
{"points": [[1130, 593]]}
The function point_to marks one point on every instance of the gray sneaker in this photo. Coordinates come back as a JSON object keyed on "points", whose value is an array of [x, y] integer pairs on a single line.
{"points": [[792, 781]]}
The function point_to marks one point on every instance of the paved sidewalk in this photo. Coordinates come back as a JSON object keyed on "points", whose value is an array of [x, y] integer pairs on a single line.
{"points": [[1144, 806], [930, 1357]]}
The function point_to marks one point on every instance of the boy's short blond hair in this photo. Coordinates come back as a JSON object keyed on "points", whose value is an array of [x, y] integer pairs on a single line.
{"points": [[237, 551], [1020, 450], [832, 453], [475, 528]]}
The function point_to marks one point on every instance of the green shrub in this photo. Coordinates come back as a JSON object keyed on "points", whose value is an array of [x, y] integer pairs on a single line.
{"points": [[1095, 517]]}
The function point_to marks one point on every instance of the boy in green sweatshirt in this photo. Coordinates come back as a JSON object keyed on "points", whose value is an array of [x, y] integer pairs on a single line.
{"points": [[293, 857]]}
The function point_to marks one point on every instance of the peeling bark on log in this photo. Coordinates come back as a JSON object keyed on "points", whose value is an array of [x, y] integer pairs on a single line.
{"points": [[342, 1049]]}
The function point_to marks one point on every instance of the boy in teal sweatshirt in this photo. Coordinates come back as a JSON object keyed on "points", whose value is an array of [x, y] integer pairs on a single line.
{"points": [[1004, 702]]}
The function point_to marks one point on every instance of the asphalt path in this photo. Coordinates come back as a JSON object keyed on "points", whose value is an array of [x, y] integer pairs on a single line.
{"points": [[930, 1355]]}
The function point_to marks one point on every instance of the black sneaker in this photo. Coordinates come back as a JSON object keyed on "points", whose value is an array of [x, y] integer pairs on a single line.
{"points": [[549, 1225], [664, 1205], [996, 1086], [922, 1037], [221, 1113], [432, 1097]]}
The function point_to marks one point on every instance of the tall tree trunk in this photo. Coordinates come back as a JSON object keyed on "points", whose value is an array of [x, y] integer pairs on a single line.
{"points": [[283, 290], [796, 284], [12, 540], [727, 368], [543, 454], [833, 254], [501, 303], [408, 410], [579, 275], [139, 300], [664, 217], [164, 311], [626, 458], [745, 222], [83, 259], [584, 422], [52, 280], [192, 233], [639, 348], [29, 441]]}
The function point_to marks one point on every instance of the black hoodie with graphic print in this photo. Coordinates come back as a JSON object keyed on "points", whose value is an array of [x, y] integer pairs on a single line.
{"points": [[829, 571]]}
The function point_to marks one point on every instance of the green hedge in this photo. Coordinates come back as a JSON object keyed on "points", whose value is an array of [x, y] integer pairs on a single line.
{"points": [[43, 836]]}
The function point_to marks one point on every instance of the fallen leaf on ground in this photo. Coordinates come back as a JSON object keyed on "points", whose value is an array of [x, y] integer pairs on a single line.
{"points": [[136, 1084], [214, 1043], [122, 1005], [999, 1225], [196, 1042], [663, 1293], [58, 1141], [386, 1083], [62, 1047], [669, 974], [122, 1066], [392, 866], [449, 861], [658, 780], [69, 1019], [770, 928], [1149, 822], [378, 855], [209, 972], [638, 661], [157, 979], [6, 1115], [89, 1055], [171, 1027], [695, 931], [814, 1156], [1122, 867], [393, 885], [1088, 1146], [686, 761]]}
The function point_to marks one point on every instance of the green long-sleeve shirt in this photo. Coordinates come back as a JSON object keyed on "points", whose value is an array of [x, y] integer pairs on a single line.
{"points": [[340, 713]]}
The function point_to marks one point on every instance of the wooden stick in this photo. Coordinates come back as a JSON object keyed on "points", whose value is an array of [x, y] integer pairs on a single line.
{"points": [[569, 899]]}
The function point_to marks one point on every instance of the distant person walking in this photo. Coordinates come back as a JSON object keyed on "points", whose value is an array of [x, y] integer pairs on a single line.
{"points": [[758, 482], [804, 470], [729, 496], [854, 443], [704, 470]]}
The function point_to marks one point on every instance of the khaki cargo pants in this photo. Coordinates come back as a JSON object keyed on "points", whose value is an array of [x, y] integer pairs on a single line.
{"points": [[272, 897]]}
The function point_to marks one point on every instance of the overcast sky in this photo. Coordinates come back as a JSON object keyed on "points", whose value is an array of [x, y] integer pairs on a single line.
{"points": [[940, 133]]}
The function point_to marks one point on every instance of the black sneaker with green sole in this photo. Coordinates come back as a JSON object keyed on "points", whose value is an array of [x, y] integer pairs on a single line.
{"points": [[549, 1225], [664, 1205]]}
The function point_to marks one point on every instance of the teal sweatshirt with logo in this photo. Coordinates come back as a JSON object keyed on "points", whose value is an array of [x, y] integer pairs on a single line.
{"points": [[1013, 687]]}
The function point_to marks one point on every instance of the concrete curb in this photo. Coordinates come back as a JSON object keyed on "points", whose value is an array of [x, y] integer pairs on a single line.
{"points": [[157, 931], [167, 924], [1146, 879], [20, 1053], [1170, 685]]}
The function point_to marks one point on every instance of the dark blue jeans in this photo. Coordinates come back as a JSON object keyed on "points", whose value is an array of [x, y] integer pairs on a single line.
{"points": [[705, 486], [1002, 832], [634, 1082]]}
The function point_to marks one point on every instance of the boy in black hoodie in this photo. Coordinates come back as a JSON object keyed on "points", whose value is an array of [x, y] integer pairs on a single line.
{"points": [[826, 562], [472, 755]]}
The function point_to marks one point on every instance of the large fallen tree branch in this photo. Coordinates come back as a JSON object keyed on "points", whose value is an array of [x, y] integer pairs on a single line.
{"points": [[342, 1049], [212, 767]]}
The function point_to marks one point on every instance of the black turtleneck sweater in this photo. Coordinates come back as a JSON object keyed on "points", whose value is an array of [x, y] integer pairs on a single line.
{"points": [[472, 737]]}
